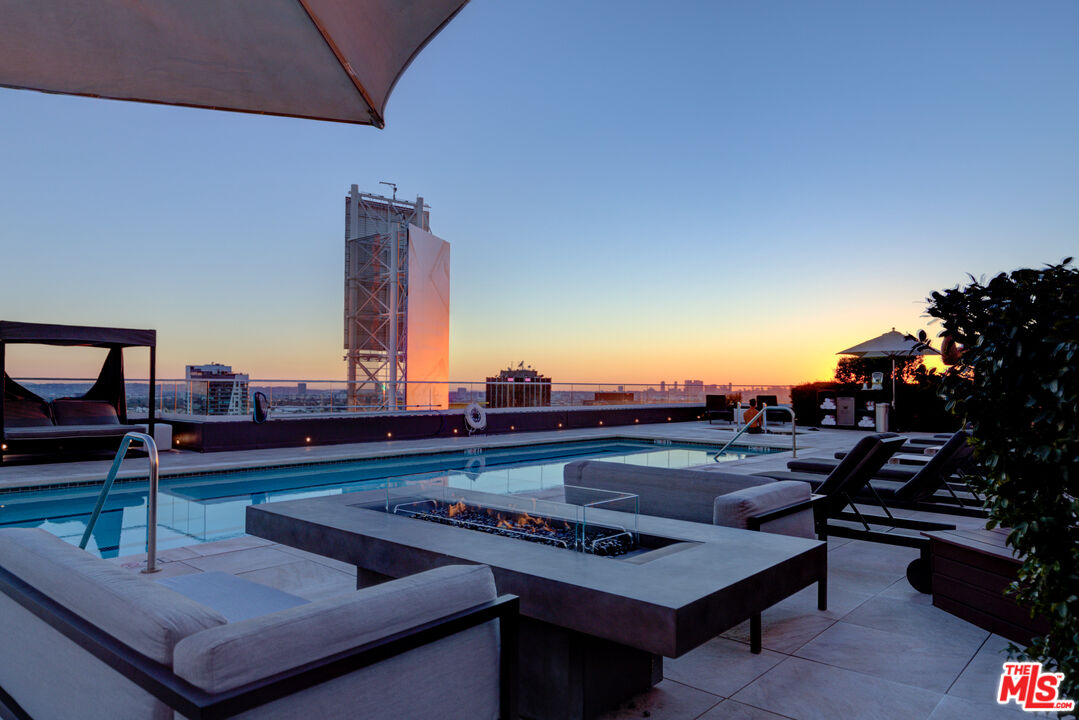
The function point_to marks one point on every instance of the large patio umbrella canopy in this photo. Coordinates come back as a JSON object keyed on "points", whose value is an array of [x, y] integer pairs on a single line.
{"points": [[320, 59], [891, 344]]}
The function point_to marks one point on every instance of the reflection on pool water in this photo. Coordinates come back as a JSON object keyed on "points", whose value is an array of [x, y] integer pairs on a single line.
{"points": [[207, 508]]}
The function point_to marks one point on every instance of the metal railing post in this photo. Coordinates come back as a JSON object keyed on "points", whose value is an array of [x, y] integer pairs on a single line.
{"points": [[151, 500], [151, 506], [749, 424]]}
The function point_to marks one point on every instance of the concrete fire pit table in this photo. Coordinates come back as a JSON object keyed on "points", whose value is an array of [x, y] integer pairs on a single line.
{"points": [[594, 630]]}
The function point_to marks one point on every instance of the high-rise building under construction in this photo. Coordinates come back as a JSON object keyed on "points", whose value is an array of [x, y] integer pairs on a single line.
{"points": [[397, 300]]}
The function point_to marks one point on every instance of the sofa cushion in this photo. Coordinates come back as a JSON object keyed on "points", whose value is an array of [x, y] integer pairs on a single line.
{"points": [[76, 411], [227, 657], [146, 617], [734, 509], [680, 494], [71, 432], [236, 598], [20, 413]]}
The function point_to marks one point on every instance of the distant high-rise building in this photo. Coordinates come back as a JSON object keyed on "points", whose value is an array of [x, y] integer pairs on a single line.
{"points": [[397, 304], [215, 389], [301, 389], [518, 387]]}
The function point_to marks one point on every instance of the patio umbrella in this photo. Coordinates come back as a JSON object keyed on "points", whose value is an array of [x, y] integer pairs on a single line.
{"points": [[891, 344], [320, 59]]}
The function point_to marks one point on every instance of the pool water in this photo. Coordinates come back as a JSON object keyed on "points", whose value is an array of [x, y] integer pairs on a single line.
{"points": [[206, 508]]}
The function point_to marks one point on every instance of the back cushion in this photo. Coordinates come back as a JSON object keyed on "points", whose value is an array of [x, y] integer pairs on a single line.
{"points": [[241, 652], [143, 615], [25, 413], [685, 494], [848, 464], [934, 473], [75, 411]]}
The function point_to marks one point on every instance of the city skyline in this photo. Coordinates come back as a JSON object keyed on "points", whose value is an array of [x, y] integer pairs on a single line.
{"points": [[762, 187]]}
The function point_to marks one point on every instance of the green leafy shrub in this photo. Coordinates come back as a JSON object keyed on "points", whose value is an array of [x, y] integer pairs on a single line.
{"points": [[1018, 384]]}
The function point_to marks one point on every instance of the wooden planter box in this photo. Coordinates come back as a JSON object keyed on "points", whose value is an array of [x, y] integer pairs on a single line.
{"points": [[971, 569]]}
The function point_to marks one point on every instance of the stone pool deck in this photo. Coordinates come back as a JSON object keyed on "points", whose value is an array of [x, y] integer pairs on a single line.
{"points": [[880, 651]]}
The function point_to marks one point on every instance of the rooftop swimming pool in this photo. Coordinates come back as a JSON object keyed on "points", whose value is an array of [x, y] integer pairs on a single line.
{"points": [[209, 507]]}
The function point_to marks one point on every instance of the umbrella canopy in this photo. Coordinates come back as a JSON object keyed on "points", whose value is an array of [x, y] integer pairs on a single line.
{"points": [[890, 344], [320, 59]]}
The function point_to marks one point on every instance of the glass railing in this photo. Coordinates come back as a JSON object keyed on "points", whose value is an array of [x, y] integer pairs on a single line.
{"points": [[224, 398]]}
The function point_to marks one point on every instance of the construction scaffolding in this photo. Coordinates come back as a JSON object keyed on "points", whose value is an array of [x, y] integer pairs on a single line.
{"points": [[376, 296]]}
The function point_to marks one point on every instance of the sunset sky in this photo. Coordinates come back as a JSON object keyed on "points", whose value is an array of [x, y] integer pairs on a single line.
{"points": [[633, 191]]}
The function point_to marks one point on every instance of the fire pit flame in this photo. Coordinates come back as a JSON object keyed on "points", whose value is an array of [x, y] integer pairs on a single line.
{"points": [[549, 531]]}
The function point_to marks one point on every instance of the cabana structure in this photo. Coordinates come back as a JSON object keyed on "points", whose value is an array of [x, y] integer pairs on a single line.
{"points": [[29, 423]]}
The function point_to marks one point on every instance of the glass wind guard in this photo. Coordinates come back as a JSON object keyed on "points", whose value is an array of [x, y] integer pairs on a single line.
{"points": [[598, 532]]}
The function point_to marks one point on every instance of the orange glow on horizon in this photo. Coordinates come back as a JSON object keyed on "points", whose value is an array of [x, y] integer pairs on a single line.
{"points": [[761, 350]]}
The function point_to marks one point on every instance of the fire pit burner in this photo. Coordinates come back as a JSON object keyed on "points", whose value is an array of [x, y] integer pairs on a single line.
{"points": [[569, 534]]}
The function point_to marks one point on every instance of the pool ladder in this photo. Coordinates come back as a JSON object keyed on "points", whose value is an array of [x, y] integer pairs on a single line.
{"points": [[762, 411], [151, 499]]}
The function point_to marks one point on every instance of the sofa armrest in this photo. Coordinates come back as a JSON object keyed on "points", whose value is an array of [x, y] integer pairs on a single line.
{"points": [[783, 507], [505, 610], [756, 521]]}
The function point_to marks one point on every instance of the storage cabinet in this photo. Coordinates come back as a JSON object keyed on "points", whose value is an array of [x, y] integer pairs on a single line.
{"points": [[852, 409]]}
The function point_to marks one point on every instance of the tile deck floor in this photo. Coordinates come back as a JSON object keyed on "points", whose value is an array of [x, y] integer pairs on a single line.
{"points": [[881, 650]]}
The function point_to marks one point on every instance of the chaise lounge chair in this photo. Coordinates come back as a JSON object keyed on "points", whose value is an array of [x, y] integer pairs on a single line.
{"points": [[846, 483], [715, 406], [925, 487]]}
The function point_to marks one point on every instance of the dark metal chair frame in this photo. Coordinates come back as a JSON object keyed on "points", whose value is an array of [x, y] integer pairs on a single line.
{"points": [[159, 681], [754, 522], [716, 406], [841, 491]]}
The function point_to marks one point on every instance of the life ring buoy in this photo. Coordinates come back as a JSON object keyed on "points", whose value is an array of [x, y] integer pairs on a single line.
{"points": [[475, 418], [475, 465]]}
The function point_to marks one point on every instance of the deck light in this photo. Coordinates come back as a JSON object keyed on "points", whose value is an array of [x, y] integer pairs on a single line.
{"points": [[307, 439], [600, 422], [512, 427], [559, 424], [455, 431], [668, 419], [390, 434], [3, 447], [636, 420]]}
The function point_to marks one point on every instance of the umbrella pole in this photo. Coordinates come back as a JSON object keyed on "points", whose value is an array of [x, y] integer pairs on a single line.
{"points": [[893, 382]]}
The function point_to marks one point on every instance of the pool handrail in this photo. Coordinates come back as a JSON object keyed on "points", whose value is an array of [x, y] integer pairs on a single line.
{"points": [[151, 499], [749, 423]]}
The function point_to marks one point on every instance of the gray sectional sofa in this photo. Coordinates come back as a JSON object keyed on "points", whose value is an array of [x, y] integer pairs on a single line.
{"points": [[85, 638], [701, 494]]}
